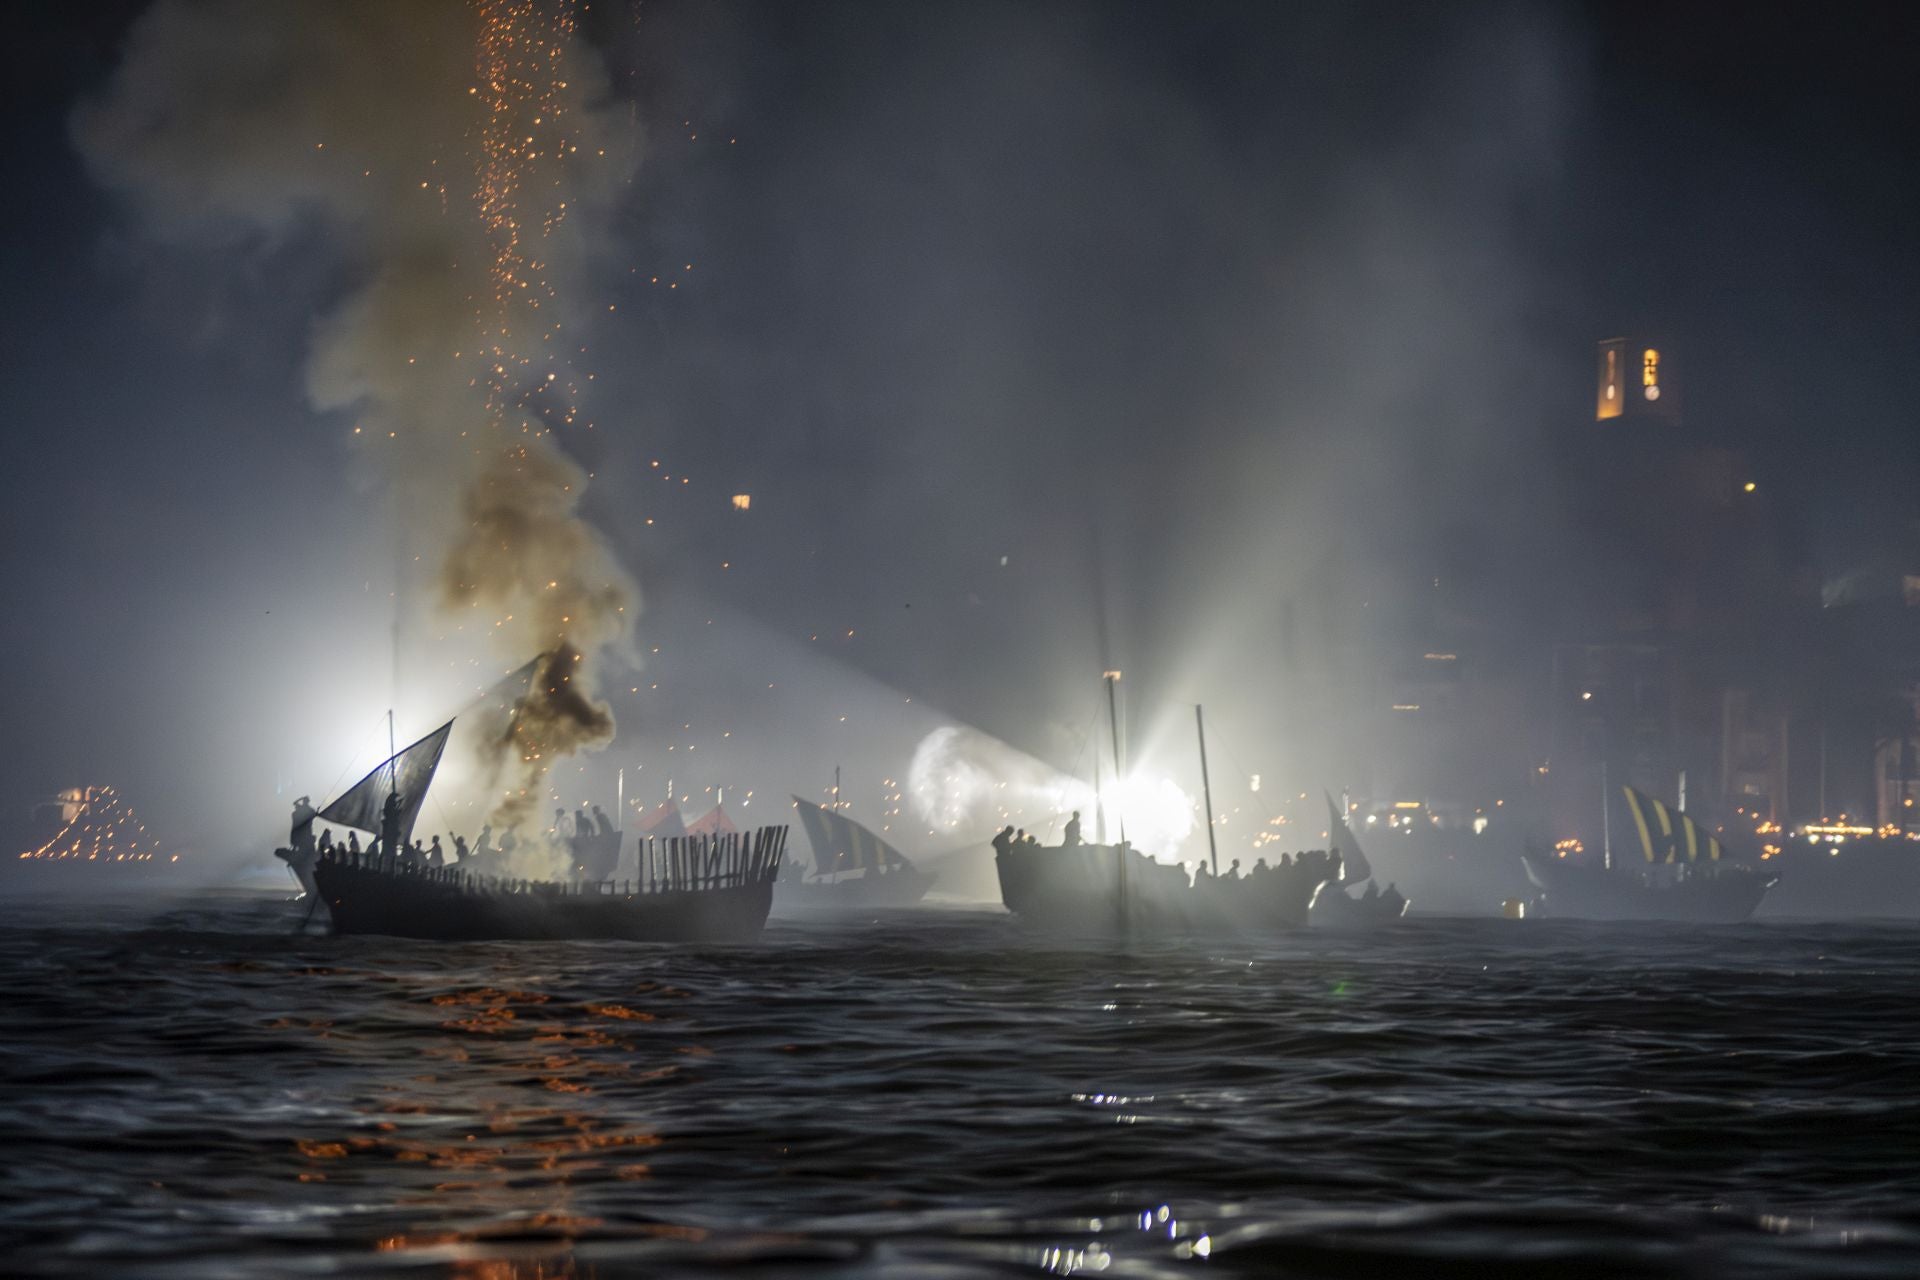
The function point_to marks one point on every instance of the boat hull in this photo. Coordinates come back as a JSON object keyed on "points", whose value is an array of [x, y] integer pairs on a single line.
{"points": [[902, 887], [1337, 909], [449, 906], [1727, 895], [1078, 890]]}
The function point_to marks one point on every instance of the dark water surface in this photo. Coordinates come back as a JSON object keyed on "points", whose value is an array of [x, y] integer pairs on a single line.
{"points": [[194, 1093]]}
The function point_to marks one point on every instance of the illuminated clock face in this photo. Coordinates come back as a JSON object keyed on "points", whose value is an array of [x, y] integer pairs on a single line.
{"points": [[1653, 393]]}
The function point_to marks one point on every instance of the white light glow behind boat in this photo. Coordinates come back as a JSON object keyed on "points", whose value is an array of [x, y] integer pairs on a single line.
{"points": [[968, 784]]}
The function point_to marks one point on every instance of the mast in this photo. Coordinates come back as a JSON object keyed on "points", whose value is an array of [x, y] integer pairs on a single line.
{"points": [[1823, 770], [1606, 822], [390, 812], [1120, 854], [1099, 808], [1206, 787], [1113, 722], [620, 801]]}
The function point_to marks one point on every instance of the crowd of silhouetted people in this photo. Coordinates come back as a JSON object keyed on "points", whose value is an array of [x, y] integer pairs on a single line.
{"points": [[484, 855], [1321, 863]]}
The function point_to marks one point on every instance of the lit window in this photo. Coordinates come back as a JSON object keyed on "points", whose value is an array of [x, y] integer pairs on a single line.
{"points": [[742, 501]]}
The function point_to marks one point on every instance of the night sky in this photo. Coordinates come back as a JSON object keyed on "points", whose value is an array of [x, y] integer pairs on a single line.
{"points": [[1045, 338]]}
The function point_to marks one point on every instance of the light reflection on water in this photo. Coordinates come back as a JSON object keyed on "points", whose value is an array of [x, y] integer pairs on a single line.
{"points": [[942, 1093]]}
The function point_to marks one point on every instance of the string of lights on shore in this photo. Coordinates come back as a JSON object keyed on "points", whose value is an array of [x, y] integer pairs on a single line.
{"points": [[103, 828]]}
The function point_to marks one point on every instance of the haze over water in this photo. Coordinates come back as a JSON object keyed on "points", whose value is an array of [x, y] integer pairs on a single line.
{"points": [[194, 1093]]}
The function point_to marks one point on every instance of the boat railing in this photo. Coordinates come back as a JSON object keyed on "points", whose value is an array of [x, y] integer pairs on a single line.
{"points": [[675, 864]]}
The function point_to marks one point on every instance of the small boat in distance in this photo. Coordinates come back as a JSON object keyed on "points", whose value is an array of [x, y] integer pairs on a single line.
{"points": [[1682, 875], [1335, 908], [701, 888], [853, 869]]}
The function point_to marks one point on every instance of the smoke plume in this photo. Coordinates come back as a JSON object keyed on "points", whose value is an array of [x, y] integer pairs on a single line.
{"points": [[462, 162]]}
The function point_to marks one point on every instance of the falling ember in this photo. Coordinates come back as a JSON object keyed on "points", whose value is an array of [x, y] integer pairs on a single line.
{"points": [[521, 546]]}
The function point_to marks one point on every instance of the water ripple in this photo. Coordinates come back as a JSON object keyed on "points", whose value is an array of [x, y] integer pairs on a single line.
{"points": [[196, 1093]]}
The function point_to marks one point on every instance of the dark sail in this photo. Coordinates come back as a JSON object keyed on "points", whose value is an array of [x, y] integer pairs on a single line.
{"points": [[1354, 866], [406, 774], [841, 844]]}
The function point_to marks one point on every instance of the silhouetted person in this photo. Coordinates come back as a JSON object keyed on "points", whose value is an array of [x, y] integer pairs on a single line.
{"points": [[1233, 872], [562, 826], [1003, 839], [436, 856], [302, 853], [484, 845], [326, 842], [1260, 865], [1072, 837], [1373, 891], [390, 837], [601, 822], [301, 837], [1020, 837], [582, 822], [353, 844]]}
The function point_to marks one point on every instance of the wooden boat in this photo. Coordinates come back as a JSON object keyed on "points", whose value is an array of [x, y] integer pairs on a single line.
{"points": [[854, 869], [704, 888], [1716, 895], [691, 889], [1099, 889], [1344, 905], [1104, 889], [1682, 874]]}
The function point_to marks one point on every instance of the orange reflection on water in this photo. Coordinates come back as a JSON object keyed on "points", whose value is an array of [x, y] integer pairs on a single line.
{"points": [[619, 1011]]}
